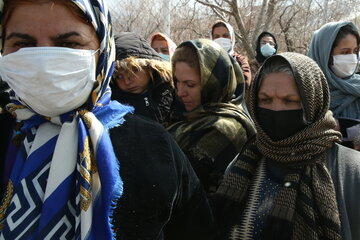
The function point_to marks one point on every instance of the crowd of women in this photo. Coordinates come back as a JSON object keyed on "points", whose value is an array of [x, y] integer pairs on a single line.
{"points": [[109, 136]]}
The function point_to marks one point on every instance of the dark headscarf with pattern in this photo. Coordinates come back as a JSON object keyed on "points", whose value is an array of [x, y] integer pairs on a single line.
{"points": [[307, 207], [221, 95]]}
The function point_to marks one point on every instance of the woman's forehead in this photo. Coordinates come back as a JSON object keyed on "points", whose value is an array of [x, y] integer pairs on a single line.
{"points": [[279, 82], [47, 24]]}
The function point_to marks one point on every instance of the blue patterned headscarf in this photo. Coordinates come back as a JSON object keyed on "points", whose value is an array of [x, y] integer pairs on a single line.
{"points": [[65, 177], [345, 93]]}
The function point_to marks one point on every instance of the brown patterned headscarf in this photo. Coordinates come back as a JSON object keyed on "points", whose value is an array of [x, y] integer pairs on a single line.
{"points": [[305, 207]]}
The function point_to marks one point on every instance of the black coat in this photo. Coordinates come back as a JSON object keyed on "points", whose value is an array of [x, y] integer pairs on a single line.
{"points": [[162, 196], [156, 103]]}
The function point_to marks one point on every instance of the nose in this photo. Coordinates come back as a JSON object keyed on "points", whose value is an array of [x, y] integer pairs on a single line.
{"points": [[45, 43], [277, 106], [127, 80], [181, 91]]}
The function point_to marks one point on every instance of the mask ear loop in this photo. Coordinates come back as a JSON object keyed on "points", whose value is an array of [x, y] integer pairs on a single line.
{"points": [[95, 51]]}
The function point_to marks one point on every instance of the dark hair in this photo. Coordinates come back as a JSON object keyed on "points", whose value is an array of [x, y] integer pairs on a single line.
{"points": [[185, 54], [343, 32], [266, 35], [276, 65]]}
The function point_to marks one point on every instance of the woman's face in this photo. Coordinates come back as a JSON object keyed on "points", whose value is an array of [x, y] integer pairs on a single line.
{"points": [[160, 46], [221, 32], [49, 24], [136, 82], [267, 40], [188, 85], [278, 92], [347, 45]]}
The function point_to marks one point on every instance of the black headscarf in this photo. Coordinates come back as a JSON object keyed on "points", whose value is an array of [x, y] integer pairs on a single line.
{"points": [[259, 57]]}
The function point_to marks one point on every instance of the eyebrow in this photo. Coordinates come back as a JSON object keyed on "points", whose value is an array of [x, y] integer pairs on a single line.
{"points": [[264, 41], [262, 94], [67, 35], [20, 35], [28, 37]]}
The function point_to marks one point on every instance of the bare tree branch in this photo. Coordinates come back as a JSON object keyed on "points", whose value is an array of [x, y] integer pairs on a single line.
{"points": [[213, 6], [240, 23], [270, 14], [285, 27], [260, 20]]}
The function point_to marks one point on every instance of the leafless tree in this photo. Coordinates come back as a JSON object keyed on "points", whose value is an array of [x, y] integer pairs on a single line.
{"points": [[248, 28], [291, 21]]}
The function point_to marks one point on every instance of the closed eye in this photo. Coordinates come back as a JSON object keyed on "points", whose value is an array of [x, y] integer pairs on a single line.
{"points": [[20, 40], [291, 101], [264, 100], [24, 44], [68, 44], [69, 40]]}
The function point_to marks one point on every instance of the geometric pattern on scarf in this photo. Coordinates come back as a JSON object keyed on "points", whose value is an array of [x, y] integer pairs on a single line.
{"points": [[65, 179], [345, 93], [39, 203], [305, 207]]}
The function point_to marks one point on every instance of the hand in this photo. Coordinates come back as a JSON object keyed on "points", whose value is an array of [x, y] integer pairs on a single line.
{"points": [[245, 66]]}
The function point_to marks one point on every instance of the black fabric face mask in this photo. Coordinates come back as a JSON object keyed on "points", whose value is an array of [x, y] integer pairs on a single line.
{"points": [[280, 124]]}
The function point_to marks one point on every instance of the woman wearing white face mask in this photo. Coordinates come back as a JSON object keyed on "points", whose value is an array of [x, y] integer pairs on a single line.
{"points": [[62, 180], [266, 46], [335, 48], [163, 45], [223, 34]]}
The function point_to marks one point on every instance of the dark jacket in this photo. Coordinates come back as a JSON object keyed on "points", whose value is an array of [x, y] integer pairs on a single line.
{"points": [[6, 124], [162, 197], [156, 103], [344, 167]]}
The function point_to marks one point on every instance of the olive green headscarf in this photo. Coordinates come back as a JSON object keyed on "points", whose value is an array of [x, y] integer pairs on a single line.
{"points": [[220, 114]]}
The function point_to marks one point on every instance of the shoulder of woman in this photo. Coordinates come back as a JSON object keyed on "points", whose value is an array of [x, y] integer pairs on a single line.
{"points": [[134, 124], [345, 162]]}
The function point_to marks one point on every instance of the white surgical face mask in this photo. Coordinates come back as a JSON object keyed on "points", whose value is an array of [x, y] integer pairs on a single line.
{"points": [[225, 43], [267, 50], [344, 65], [50, 80]]}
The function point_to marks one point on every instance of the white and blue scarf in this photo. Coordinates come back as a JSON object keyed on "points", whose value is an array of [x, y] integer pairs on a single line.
{"points": [[65, 178]]}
